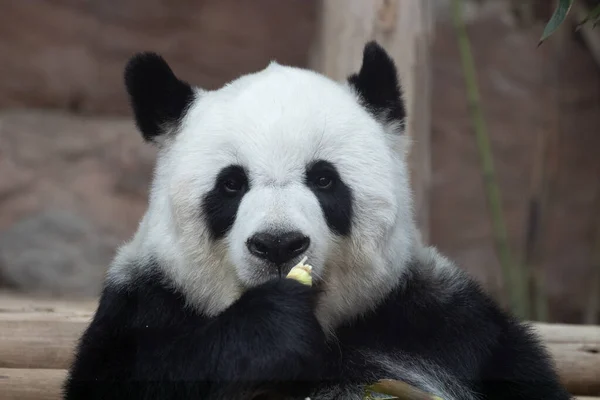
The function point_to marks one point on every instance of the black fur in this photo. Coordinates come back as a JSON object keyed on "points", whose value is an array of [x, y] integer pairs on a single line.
{"points": [[336, 201], [220, 206], [377, 84], [464, 332], [158, 98], [145, 344]]}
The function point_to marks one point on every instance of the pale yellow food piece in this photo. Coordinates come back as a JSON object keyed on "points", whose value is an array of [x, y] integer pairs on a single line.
{"points": [[301, 272]]}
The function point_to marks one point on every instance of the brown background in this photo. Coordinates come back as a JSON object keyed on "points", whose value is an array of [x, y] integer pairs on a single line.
{"points": [[74, 172]]}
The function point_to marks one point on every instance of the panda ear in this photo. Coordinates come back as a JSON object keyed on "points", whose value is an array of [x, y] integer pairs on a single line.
{"points": [[158, 98], [377, 84]]}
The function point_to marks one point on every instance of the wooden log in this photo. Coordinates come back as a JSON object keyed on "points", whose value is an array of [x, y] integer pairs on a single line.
{"points": [[42, 334], [578, 366], [14, 302], [38, 333], [46, 384], [31, 384], [565, 333], [38, 344], [576, 352], [405, 30]]}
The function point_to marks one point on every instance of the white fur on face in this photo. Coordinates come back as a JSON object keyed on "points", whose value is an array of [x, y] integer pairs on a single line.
{"points": [[274, 123]]}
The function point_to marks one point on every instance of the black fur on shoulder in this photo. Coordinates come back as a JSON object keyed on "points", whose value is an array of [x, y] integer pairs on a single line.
{"points": [[377, 84], [451, 324], [158, 98], [144, 343]]}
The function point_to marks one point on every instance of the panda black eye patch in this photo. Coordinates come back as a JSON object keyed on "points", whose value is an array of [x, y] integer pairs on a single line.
{"points": [[221, 204], [334, 196]]}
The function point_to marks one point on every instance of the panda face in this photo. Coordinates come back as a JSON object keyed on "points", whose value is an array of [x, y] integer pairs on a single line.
{"points": [[275, 166]]}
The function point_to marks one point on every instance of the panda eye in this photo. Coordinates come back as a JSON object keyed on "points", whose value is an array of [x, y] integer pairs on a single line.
{"points": [[322, 175], [233, 185], [232, 181], [323, 182]]}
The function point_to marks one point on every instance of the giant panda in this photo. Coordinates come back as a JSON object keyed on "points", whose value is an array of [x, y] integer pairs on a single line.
{"points": [[275, 166]]}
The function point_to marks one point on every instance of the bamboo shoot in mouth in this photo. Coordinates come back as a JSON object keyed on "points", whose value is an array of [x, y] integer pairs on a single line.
{"points": [[301, 272]]}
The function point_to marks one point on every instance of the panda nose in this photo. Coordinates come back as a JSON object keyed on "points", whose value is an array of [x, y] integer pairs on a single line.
{"points": [[278, 248]]}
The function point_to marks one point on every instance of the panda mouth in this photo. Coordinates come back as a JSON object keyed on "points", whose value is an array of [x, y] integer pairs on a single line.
{"points": [[265, 271], [284, 268]]}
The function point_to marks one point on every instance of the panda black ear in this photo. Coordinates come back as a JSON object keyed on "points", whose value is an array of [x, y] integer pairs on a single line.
{"points": [[377, 84], [157, 97]]}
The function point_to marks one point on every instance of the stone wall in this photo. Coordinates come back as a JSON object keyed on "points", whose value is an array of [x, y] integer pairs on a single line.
{"points": [[74, 172], [69, 54]]}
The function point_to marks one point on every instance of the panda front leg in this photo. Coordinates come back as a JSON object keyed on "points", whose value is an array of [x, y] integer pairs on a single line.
{"points": [[269, 342]]}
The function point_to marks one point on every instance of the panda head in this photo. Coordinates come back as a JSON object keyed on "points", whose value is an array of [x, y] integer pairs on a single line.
{"points": [[276, 165]]}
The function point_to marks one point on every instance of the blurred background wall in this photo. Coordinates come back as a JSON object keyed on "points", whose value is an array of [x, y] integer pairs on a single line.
{"points": [[74, 172]]}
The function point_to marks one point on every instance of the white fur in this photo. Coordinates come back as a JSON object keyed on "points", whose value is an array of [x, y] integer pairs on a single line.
{"points": [[425, 375], [274, 122]]}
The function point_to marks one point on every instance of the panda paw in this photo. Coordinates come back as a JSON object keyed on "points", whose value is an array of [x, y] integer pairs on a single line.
{"points": [[288, 339], [283, 297], [287, 306]]}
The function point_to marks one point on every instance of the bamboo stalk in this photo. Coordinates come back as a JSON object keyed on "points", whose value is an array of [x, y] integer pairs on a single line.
{"points": [[534, 228], [544, 173], [512, 276]]}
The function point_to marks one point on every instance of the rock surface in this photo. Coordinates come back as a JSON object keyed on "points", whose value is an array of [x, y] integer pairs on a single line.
{"points": [[69, 54], [71, 188]]}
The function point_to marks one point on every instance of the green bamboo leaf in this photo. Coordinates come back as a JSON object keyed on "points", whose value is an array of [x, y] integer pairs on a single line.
{"points": [[560, 14], [593, 16]]}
